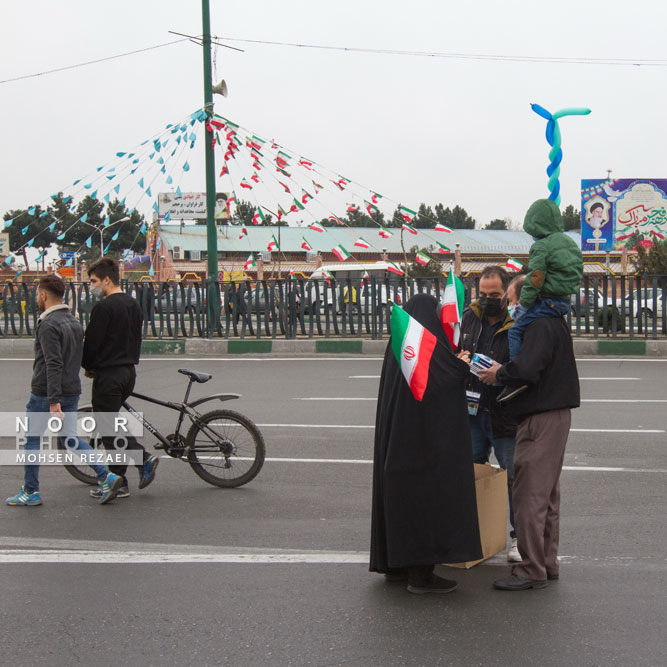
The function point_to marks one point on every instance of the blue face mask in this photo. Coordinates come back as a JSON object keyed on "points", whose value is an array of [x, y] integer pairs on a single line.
{"points": [[512, 310]]}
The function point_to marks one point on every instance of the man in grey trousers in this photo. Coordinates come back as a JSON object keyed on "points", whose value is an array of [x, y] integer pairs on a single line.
{"points": [[546, 364]]}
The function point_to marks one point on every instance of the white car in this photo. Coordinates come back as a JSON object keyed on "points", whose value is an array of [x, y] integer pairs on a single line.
{"points": [[644, 303]]}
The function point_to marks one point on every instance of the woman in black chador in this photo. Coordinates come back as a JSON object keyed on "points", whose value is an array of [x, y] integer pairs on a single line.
{"points": [[424, 507]]}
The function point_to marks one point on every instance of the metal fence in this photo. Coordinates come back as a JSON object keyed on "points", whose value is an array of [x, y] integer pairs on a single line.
{"points": [[633, 307]]}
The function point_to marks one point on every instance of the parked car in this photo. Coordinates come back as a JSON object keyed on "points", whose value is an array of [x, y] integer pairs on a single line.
{"points": [[588, 300], [642, 303]]}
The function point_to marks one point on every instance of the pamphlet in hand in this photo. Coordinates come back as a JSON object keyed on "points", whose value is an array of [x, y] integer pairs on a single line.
{"points": [[479, 362]]}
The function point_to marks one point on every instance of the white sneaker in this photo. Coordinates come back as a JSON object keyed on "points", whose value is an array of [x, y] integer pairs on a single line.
{"points": [[513, 555]]}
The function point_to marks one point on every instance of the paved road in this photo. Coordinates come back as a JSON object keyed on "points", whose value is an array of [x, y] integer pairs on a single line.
{"points": [[275, 573]]}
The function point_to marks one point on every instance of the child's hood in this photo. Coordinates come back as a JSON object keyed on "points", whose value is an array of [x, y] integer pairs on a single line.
{"points": [[543, 218]]}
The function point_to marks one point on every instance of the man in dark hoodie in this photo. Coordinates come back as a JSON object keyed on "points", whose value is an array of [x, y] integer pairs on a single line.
{"points": [[484, 329], [555, 268]]}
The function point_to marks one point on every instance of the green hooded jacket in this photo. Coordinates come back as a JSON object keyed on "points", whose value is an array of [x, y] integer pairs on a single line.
{"points": [[555, 264]]}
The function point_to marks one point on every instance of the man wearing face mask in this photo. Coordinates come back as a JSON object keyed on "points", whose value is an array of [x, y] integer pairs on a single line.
{"points": [[484, 327], [110, 352]]}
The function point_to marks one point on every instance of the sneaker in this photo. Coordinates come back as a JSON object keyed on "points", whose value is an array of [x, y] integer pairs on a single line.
{"points": [[148, 471], [433, 584], [123, 492], [513, 555], [25, 498], [109, 488], [552, 576], [510, 392], [516, 583]]}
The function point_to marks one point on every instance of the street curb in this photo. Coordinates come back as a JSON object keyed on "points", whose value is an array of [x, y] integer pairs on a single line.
{"points": [[24, 347]]}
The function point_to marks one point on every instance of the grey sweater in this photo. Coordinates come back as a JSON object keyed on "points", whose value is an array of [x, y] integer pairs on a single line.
{"points": [[58, 350]]}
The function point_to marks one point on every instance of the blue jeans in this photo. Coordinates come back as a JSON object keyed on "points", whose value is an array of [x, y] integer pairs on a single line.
{"points": [[41, 404], [503, 448], [542, 307]]}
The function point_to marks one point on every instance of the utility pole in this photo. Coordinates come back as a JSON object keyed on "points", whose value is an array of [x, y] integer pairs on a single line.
{"points": [[211, 232]]}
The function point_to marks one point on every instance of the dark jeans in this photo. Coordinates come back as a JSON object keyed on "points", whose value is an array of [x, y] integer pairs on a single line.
{"points": [[112, 386], [543, 307], [481, 432]]}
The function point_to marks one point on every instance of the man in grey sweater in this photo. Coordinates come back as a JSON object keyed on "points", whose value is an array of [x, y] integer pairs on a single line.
{"points": [[56, 387]]}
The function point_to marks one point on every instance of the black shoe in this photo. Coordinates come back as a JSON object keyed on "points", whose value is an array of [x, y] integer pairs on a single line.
{"points": [[148, 471], [516, 583], [552, 576], [510, 392], [433, 584], [396, 574]]}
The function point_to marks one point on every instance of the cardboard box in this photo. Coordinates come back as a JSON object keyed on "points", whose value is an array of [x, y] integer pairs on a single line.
{"points": [[491, 491]]}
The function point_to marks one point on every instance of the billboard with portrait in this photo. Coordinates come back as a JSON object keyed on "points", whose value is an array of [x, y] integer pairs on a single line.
{"points": [[190, 206], [621, 212]]}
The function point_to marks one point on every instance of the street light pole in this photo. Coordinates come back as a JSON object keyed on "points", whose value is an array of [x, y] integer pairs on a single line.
{"points": [[211, 232]]}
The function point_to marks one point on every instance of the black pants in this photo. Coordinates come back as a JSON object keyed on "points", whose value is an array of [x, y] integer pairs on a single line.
{"points": [[112, 386]]}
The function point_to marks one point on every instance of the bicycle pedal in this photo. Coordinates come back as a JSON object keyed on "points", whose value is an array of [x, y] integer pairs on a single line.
{"points": [[158, 445]]}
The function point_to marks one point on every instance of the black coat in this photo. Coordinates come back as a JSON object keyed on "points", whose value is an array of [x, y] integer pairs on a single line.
{"points": [[424, 505], [547, 365], [503, 425]]}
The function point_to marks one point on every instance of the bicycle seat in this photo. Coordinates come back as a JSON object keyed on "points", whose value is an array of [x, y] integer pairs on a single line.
{"points": [[193, 375]]}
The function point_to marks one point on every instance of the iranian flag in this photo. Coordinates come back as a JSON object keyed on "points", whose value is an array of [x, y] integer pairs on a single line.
{"points": [[316, 227], [317, 187], [258, 217], [442, 228], [281, 212], [422, 258], [384, 232], [249, 263], [285, 186], [366, 276], [370, 207], [273, 244], [413, 347], [409, 228], [443, 249], [245, 184], [361, 243], [407, 213], [305, 197], [624, 234], [352, 208], [395, 268], [244, 232], [255, 177], [231, 199], [298, 204], [335, 219], [305, 163], [340, 252], [658, 234], [451, 308], [513, 264], [375, 197], [305, 245]]}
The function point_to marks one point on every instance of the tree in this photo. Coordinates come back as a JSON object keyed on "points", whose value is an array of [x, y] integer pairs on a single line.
{"points": [[497, 224], [32, 228], [432, 270], [571, 218], [425, 218], [652, 260], [456, 218]]}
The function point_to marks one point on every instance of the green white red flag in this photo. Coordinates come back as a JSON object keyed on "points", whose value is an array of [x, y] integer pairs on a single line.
{"points": [[317, 187], [340, 252], [305, 197], [422, 258], [451, 308], [624, 234], [375, 197], [442, 228], [395, 268], [362, 243], [384, 232], [371, 208], [443, 249], [316, 227], [273, 244], [407, 213], [305, 245], [409, 228], [259, 217], [513, 264], [338, 220], [249, 263], [658, 234], [281, 212], [244, 232], [413, 347]]}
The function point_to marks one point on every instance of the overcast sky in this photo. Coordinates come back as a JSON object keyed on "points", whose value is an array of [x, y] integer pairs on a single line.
{"points": [[456, 131]]}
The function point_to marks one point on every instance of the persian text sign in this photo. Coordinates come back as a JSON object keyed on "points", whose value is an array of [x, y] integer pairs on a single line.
{"points": [[190, 206], [622, 212]]}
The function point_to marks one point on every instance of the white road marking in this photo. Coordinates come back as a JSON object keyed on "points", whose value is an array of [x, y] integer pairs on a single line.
{"points": [[340, 398], [610, 378], [364, 377], [624, 400], [364, 426]]}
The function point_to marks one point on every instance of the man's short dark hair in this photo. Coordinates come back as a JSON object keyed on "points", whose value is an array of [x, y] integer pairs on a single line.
{"points": [[596, 205], [492, 271], [54, 285], [106, 267], [516, 284]]}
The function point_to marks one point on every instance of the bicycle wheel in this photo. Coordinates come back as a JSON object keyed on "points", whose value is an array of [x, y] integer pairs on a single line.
{"points": [[228, 452], [83, 473]]}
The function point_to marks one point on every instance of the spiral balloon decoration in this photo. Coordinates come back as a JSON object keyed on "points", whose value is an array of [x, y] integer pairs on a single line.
{"points": [[554, 140]]}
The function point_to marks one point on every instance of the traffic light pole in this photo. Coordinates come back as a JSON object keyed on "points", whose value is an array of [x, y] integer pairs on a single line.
{"points": [[211, 232]]}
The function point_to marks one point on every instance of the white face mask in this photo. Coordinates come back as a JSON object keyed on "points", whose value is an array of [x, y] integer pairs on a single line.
{"points": [[97, 291]]}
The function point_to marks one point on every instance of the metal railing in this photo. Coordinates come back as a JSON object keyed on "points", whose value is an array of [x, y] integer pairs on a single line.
{"points": [[633, 307]]}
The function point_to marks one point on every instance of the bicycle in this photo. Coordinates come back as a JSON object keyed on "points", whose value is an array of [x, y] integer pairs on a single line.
{"points": [[218, 444]]}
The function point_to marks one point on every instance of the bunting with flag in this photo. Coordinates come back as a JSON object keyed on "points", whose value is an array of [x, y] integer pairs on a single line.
{"points": [[513, 264], [273, 244], [250, 263], [384, 232], [442, 228], [341, 253], [305, 245], [443, 249], [316, 227], [422, 258], [408, 227], [362, 243], [259, 217], [395, 268]]}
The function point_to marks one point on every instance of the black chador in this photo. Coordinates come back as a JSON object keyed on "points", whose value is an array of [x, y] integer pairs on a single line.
{"points": [[424, 507]]}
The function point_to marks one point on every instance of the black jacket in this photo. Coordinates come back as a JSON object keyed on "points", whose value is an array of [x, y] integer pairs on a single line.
{"points": [[58, 347], [113, 335], [503, 424], [546, 364]]}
